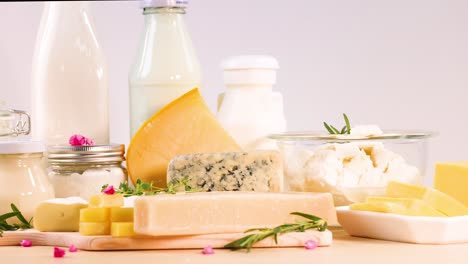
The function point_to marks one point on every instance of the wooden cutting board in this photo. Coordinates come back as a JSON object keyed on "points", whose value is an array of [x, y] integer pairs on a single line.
{"points": [[65, 239]]}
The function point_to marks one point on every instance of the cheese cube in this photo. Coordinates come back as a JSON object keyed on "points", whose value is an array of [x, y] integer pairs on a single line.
{"points": [[403, 206], [121, 214], [95, 229], [59, 215], [122, 229], [260, 171], [434, 198], [94, 215], [225, 212], [106, 200], [452, 179]]}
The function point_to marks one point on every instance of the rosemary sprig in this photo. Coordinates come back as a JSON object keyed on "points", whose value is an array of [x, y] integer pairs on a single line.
{"points": [[334, 131], [149, 188], [246, 242], [24, 224]]}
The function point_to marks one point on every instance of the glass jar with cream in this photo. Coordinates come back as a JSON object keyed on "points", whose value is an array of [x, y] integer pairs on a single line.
{"points": [[83, 170]]}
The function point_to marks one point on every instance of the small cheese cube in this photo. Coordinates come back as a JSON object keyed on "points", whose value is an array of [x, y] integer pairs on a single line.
{"points": [[434, 198], [403, 206], [95, 229], [59, 215], [260, 171], [106, 200], [121, 214], [94, 214], [452, 179], [122, 229]]}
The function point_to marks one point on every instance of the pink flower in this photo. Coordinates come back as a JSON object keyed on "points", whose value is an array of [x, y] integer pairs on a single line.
{"points": [[79, 140], [26, 243], [109, 190], [58, 252], [310, 244], [72, 248], [208, 250]]}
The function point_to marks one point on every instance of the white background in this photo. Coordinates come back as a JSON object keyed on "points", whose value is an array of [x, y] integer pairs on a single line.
{"points": [[396, 63]]}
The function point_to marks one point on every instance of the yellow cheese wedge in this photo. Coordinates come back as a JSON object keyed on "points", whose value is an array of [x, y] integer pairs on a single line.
{"points": [[95, 229], [94, 215], [59, 215], [122, 229], [452, 179], [106, 200], [185, 126], [403, 206], [434, 198], [121, 214]]}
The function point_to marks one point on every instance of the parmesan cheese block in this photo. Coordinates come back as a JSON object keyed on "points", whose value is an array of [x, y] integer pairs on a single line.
{"points": [[185, 126], [229, 171], [225, 212], [59, 215]]}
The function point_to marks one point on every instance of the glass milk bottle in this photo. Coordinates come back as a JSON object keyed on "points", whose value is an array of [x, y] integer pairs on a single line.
{"points": [[166, 65], [69, 77]]}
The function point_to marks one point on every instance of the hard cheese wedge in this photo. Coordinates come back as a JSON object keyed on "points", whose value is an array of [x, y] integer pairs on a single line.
{"points": [[260, 171], [106, 200], [59, 215], [452, 179], [402, 206], [434, 198], [185, 126], [225, 212]]}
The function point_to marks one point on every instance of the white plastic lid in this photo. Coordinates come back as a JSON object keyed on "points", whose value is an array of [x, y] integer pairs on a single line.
{"points": [[250, 62], [163, 3], [18, 147]]}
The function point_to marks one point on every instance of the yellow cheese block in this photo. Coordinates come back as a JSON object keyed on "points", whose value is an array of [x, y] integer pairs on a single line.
{"points": [[403, 206], [452, 179], [185, 126], [94, 215], [106, 200], [121, 214], [434, 198], [122, 229], [59, 215], [95, 229]]}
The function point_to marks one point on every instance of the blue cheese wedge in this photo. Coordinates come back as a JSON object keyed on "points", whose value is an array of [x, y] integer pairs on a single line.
{"points": [[260, 171]]}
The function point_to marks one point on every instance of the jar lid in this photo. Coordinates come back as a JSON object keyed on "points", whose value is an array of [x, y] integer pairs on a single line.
{"points": [[19, 147], [163, 3], [250, 62], [60, 154]]}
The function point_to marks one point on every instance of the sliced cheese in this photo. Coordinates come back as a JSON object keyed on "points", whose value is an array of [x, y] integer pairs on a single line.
{"points": [[106, 200], [402, 206], [122, 229], [94, 215], [225, 212], [434, 198], [59, 215], [452, 179], [184, 126], [121, 214], [94, 229]]}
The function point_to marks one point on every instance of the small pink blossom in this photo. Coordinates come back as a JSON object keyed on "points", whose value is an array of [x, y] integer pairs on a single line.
{"points": [[79, 140], [73, 248], [109, 190], [208, 250], [26, 243], [310, 244], [58, 252]]}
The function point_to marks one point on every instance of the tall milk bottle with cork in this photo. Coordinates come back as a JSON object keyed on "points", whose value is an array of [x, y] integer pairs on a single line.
{"points": [[166, 65]]}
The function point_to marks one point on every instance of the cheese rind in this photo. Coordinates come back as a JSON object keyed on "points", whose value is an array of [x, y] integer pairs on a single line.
{"points": [[434, 198], [452, 178], [184, 126], [225, 212], [59, 215], [260, 171]]}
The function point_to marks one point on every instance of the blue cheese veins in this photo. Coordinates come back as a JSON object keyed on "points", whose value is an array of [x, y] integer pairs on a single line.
{"points": [[260, 171]]}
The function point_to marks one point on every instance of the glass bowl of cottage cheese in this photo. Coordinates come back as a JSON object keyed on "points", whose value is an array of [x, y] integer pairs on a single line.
{"points": [[352, 166]]}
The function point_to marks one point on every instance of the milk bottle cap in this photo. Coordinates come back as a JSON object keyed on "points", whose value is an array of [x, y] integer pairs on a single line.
{"points": [[163, 3]]}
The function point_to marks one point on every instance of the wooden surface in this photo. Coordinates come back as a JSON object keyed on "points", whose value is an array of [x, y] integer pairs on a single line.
{"points": [[65, 239], [345, 249]]}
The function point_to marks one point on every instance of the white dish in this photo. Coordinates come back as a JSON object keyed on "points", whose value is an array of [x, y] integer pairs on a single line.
{"points": [[410, 229]]}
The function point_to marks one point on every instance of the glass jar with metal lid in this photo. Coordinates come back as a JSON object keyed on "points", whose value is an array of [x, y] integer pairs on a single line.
{"points": [[83, 170]]}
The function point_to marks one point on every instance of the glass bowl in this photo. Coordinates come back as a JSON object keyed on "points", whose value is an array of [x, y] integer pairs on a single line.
{"points": [[352, 167]]}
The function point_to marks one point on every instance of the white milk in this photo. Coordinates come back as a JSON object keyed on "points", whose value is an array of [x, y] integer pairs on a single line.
{"points": [[69, 77], [166, 65]]}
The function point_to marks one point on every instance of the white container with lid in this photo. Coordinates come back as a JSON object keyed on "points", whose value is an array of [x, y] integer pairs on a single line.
{"points": [[23, 176], [166, 65], [249, 109]]}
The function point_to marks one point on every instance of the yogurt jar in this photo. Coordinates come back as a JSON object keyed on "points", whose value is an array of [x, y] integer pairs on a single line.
{"points": [[83, 170], [23, 177]]}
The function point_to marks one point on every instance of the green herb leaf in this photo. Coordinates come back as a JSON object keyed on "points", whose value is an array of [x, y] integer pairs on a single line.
{"points": [[330, 130], [348, 125], [334, 131], [4, 226]]}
